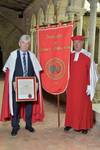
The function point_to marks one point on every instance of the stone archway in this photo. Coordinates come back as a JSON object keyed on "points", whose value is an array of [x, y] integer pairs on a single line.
{"points": [[40, 17], [9, 36], [61, 10], [33, 21], [50, 13]]}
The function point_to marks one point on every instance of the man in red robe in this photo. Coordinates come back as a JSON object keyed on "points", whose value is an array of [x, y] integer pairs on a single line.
{"points": [[15, 67], [81, 88]]}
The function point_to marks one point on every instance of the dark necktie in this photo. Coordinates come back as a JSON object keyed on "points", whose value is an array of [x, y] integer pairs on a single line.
{"points": [[24, 64]]}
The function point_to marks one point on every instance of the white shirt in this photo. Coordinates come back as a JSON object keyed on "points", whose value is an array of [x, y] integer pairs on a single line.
{"points": [[26, 56]]}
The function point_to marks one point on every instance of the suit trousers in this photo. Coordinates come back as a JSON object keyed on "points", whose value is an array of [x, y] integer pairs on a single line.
{"points": [[16, 109]]}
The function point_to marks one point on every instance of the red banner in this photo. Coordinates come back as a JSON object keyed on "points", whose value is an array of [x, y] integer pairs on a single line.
{"points": [[54, 54]]}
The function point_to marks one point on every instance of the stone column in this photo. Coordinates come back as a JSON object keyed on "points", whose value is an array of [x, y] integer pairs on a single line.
{"points": [[92, 26], [99, 48], [97, 93], [86, 41], [27, 23], [71, 16], [80, 23], [33, 41]]}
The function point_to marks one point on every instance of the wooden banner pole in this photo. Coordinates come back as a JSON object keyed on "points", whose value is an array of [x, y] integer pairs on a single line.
{"points": [[58, 105]]}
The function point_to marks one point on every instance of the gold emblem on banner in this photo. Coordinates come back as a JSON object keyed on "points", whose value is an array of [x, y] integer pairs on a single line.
{"points": [[55, 68]]}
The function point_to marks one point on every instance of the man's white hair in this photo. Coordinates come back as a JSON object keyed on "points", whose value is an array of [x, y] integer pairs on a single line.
{"points": [[25, 37]]}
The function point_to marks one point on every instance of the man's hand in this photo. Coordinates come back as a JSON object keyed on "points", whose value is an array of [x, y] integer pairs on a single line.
{"points": [[88, 90], [14, 85], [37, 86]]}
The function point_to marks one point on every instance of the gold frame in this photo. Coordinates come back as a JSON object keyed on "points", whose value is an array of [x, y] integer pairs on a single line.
{"points": [[22, 86]]}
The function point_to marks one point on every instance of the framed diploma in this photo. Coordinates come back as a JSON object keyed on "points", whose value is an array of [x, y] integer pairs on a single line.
{"points": [[26, 89]]}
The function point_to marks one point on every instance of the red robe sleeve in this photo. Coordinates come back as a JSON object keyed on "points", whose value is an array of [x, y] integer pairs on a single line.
{"points": [[5, 112], [37, 110]]}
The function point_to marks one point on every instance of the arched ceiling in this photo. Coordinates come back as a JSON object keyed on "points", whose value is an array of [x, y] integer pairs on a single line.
{"points": [[11, 11], [16, 5]]}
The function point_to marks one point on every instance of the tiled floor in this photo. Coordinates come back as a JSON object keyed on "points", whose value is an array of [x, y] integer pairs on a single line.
{"points": [[48, 136]]}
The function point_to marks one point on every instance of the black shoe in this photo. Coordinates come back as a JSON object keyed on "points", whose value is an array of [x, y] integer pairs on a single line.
{"points": [[77, 130], [84, 131], [67, 128], [14, 132], [18, 127], [31, 129]]}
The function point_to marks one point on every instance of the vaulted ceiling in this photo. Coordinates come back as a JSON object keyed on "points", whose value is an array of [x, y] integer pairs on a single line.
{"points": [[11, 11], [16, 5]]}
